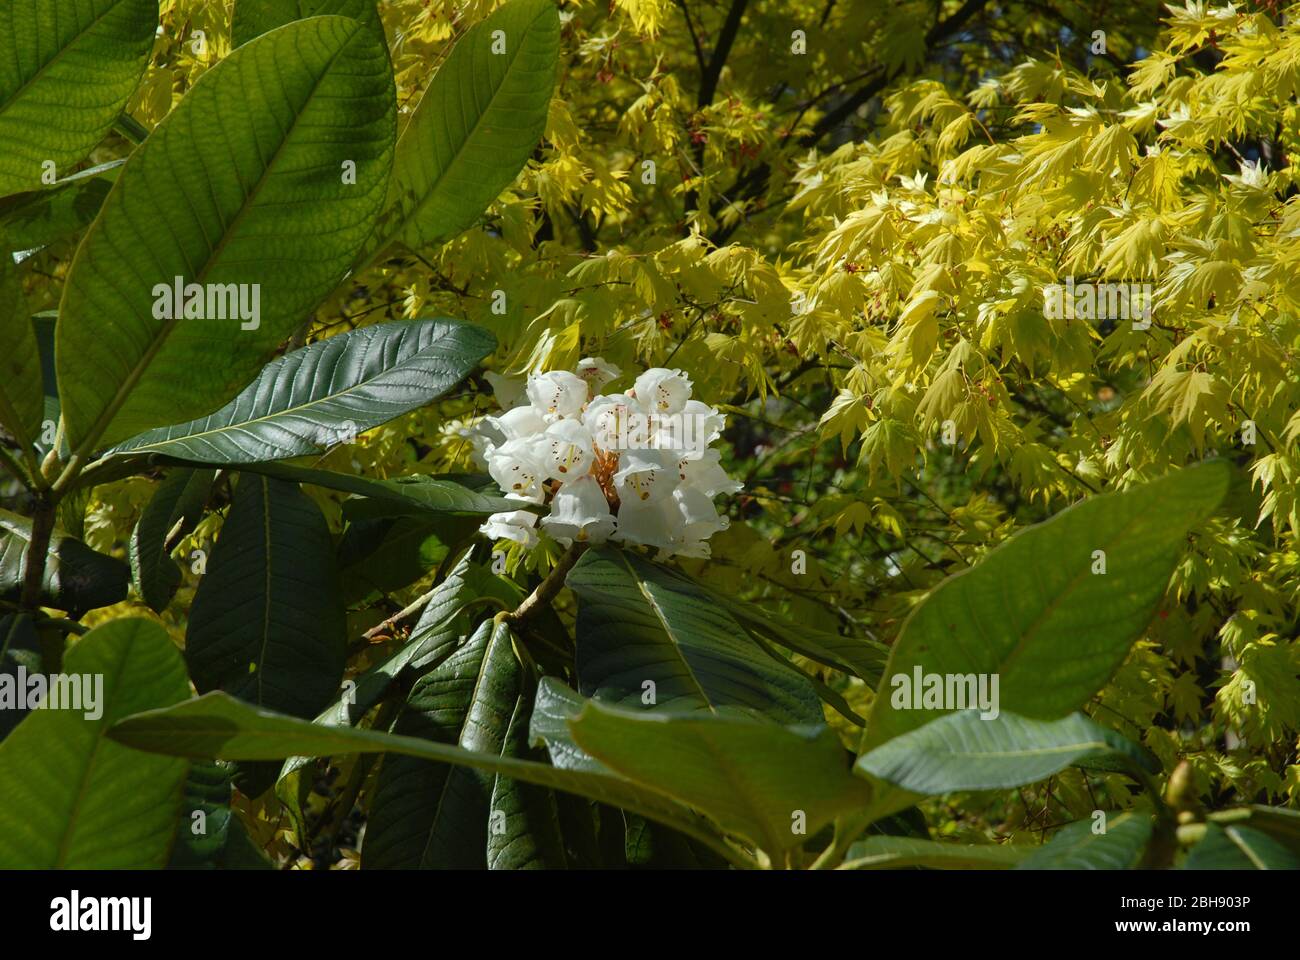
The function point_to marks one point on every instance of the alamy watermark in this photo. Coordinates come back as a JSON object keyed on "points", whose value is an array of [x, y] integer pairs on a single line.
{"points": [[209, 301], [945, 691], [1121, 300], [75, 913], [21, 690]]}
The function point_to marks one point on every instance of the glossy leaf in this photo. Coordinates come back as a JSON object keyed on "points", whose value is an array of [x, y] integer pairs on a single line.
{"points": [[267, 624], [1034, 613], [69, 68], [248, 172], [967, 751], [641, 622], [327, 393], [73, 799]]}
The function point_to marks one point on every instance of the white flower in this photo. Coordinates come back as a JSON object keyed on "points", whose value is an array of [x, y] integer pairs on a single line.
{"points": [[597, 372], [654, 523], [705, 473], [645, 475], [607, 419], [700, 518], [509, 391], [659, 390], [692, 430], [647, 451], [566, 450], [490, 432], [516, 466], [516, 525], [559, 392], [580, 512]]}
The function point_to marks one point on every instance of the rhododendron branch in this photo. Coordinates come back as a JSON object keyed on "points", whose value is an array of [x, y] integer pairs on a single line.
{"points": [[546, 590]]}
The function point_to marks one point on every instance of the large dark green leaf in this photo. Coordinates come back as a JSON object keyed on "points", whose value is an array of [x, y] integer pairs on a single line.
{"points": [[524, 831], [433, 815], [327, 393], [76, 577], [771, 784], [641, 622], [256, 17], [1033, 613], [1237, 847], [967, 751], [171, 514], [248, 173], [73, 799], [475, 126], [1076, 847], [267, 623], [67, 70], [218, 726], [21, 405]]}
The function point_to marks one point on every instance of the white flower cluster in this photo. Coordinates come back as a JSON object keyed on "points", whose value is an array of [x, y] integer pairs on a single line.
{"points": [[633, 467]]}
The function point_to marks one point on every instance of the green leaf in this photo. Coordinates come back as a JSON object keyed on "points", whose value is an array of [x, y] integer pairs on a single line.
{"points": [[76, 578], [889, 853], [751, 777], [35, 219], [255, 17], [73, 799], [247, 173], [216, 725], [433, 815], [69, 68], [20, 368], [639, 621], [267, 623], [554, 705], [1033, 613], [968, 751], [1236, 847], [524, 831], [171, 514], [475, 126], [327, 393], [1076, 847], [417, 495]]}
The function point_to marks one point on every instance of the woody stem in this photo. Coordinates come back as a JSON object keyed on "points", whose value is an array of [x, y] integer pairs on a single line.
{"points": [[546, 590]]}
